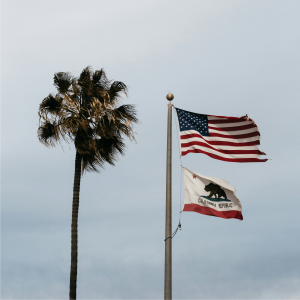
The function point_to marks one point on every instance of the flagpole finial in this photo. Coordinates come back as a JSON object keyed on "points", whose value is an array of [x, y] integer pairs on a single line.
{"points": [[170, 97]]}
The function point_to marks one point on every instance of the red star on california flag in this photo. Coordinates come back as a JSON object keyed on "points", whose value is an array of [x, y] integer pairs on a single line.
{"points": [[194, 176]]}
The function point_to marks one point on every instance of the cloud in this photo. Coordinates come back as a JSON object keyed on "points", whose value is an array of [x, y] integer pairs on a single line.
{"points": [[217, 57], [111, 31]]}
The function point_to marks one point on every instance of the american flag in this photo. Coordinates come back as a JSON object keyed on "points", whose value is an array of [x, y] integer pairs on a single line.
{"points": [[225, 138]]}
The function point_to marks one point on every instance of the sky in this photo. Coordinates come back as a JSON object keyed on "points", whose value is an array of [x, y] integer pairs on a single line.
{"points": [[227, 58]]}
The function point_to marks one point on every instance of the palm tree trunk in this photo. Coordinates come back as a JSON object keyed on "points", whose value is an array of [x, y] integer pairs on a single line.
{"points": [[74, 231]]}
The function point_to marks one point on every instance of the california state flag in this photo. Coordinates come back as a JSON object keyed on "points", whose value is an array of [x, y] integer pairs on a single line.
{"points": [[210, 196]]}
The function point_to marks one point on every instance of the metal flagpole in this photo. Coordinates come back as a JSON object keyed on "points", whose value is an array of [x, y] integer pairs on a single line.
{"points": [[168, 241]]}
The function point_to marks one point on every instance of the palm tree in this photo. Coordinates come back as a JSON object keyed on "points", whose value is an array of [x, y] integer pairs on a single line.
{"points": [[86, 111]]}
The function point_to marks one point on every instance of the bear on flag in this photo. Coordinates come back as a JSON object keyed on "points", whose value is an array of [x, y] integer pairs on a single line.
{"points": [[210, 196]]}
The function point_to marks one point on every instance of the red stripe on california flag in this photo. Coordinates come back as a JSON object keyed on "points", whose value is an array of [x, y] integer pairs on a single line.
{"points": [[239, 160], [230, 214], [237, 151]]}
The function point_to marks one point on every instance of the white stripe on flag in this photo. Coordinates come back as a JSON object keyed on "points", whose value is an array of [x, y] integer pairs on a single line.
{"points": [[219, 139], [222, 147], [236, 132]]}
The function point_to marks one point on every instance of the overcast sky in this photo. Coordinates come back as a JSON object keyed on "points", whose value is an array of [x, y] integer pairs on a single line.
{"points": [[217, 57]]}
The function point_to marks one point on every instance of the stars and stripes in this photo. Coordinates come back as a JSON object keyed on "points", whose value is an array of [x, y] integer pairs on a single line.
{"points": [[225, 138]]}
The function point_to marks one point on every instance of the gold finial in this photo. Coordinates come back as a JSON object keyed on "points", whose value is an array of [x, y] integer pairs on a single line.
{"points": [[170, 97]]}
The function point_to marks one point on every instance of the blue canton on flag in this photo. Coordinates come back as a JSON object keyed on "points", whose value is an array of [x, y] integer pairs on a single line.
{"points": [[192, 121]]}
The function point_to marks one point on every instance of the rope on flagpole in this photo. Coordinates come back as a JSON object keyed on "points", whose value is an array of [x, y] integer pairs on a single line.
{"points": [[174, 233], [180, 211]]}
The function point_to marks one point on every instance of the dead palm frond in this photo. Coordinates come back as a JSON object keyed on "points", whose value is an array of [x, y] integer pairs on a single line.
{"points": [[85, 111]]}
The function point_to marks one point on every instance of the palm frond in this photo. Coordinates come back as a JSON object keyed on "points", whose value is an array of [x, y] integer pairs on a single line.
{"points": [[105, 127], [91, 162], [48, 134], [84, 80], [52, 104], [62, 81], [116, 88], [70, 125], [75, 87], [125, 113], [106, 150], [100, 80]]}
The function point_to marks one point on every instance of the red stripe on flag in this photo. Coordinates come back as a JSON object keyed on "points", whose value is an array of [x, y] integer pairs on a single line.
{"points": [[234, 119], [236, 128], [219, 143], [238, 136], [226, 120], [185, 145], [183, 153], [231, 214]]}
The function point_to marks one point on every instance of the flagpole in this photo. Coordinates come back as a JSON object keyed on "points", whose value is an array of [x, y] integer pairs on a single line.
{"points": [[168, 233]]}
